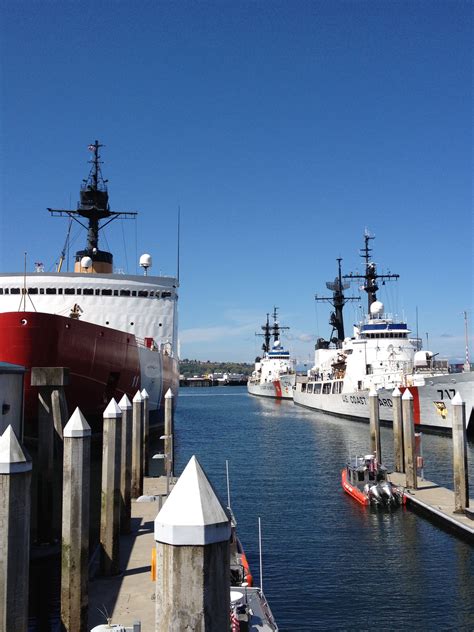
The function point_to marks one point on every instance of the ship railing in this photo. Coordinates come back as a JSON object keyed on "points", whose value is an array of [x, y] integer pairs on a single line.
{"points": [[150, 343]]}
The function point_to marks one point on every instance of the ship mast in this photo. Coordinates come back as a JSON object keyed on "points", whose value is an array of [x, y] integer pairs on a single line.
{"points": [[371, 276], [93, 207], [338, 300], [276, 327], [266, 335]]}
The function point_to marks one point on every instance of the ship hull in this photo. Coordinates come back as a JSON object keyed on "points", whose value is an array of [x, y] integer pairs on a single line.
{"points": [[102, 362], [282, 388], [432, 402]]}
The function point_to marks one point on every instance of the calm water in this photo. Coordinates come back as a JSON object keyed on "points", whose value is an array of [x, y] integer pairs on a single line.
{"points": [[329, 564]]}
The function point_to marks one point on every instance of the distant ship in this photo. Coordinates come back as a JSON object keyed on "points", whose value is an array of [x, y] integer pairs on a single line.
{"points": [[116, 333], [380, 354], [275, 372]]}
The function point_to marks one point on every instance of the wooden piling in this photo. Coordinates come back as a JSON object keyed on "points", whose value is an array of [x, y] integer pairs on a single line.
{"points": [[409, 440], [75, 540], [146, 431], [110, 505], [169, 430], [461, 480], [137, 446], [126, 465], [398, 451], [52, 416], [374, 417], [15, 495], [192, 533]]}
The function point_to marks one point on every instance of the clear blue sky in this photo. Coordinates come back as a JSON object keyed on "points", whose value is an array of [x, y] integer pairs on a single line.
{"points": [[281, 129]]}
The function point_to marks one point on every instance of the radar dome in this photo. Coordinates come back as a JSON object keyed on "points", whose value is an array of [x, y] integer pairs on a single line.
{"points": [[376, 309], [86, 262], [276, 343], [145, 261]]}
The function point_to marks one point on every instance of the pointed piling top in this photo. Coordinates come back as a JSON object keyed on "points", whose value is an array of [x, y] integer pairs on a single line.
{"points": [[125, 403], [407, 394], [373, 391], [145, 394], [396, 392], [112, 411], [77, 426], [192, 515], [169, 394], [457, 399], [12, 458], [138, 397]]}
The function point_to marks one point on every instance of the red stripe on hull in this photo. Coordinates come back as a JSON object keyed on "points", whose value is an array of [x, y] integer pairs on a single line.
{"points": [[353, 491], [103, 362], [277, 386], [416, 402]]}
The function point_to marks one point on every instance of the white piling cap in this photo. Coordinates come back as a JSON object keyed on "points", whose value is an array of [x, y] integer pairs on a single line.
{"points": [[169, 394], [145, 394], [396, 392], [373, 391], [457, 399], [192, 514], [407, 394], [12, 458], [77, 426], [138, 397], [125, 403], [112, 410]]}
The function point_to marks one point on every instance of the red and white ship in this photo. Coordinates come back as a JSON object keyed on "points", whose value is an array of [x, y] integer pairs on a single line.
{"points": [[116, 333]]}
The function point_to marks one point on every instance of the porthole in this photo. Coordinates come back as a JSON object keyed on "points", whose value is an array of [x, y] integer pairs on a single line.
{"points": [[132, 323], [106, 322], [23, 321]]}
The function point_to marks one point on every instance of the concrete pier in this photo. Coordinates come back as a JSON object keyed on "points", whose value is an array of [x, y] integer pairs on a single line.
{"points": [[398, 451], [374, 417], [15, 494], [126, 465], [192, 532], [461, 480], [146, 431], [110, 504], [409, 440], [169, 430], [137, 445], [75, 540]]}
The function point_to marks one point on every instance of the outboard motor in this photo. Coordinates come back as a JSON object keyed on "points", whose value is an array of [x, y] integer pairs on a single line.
{"points": [[374, 494], [386, 492]]}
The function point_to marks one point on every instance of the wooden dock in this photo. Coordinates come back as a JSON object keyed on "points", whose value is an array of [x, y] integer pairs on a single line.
{"points": [[437, 504], [130, 596]]}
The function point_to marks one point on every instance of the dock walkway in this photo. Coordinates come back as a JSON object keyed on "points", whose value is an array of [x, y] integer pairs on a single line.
{"points": [[130, 596], [437, 503]]}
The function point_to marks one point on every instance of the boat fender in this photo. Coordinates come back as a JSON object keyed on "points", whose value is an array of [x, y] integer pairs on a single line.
{"points": [[153, 565]]}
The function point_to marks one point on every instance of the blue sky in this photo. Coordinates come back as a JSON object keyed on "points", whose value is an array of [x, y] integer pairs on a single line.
{"points": [[282, 129]]}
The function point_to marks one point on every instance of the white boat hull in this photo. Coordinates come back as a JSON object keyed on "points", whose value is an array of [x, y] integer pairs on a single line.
{"points": [[432, 402], [281, 388]]}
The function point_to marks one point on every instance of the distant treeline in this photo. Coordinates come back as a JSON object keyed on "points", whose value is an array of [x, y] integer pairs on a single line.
{"points": [[188, 368]]}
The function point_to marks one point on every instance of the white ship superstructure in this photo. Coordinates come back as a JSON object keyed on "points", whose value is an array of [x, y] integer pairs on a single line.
{"points": [[275, 372], [380, 354]]}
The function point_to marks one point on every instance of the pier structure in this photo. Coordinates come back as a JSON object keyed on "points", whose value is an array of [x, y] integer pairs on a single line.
{"points": [[374, 419], [409, 446], [126, 464], [146, 430], [192, 533], [75, 528], [137, 445], [398, 450], [461, 481], [15, 494]]}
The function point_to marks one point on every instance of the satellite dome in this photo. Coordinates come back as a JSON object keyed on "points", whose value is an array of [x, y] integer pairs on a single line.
{"points": [[145, 261], [86, 262], [376, 309], [276, 343]]}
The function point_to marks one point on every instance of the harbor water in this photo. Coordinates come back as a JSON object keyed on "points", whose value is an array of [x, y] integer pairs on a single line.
{"points": [[328, 562]]}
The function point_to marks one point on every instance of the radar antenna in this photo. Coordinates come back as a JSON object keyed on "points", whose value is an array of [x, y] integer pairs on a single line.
{"points": [[266, 335], [371, 276], [276, 327]]}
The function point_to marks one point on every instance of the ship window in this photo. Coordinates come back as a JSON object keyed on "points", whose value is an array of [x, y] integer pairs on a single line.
{"points": [[106, 292], [134, 292], [31, 290], [97, 292], [115, 292], [6, 291], [50, 290], [303, 388], [1, 290], [310, 388], [69, 290], [124, 292], [317, 388], [88, 291], [15, 290], [157, 294], [41, 290], [337, 387], [326, 388], [60, 290], [142, 293], [152, 293], [79, 290], [360, 476], [166, 295]]}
